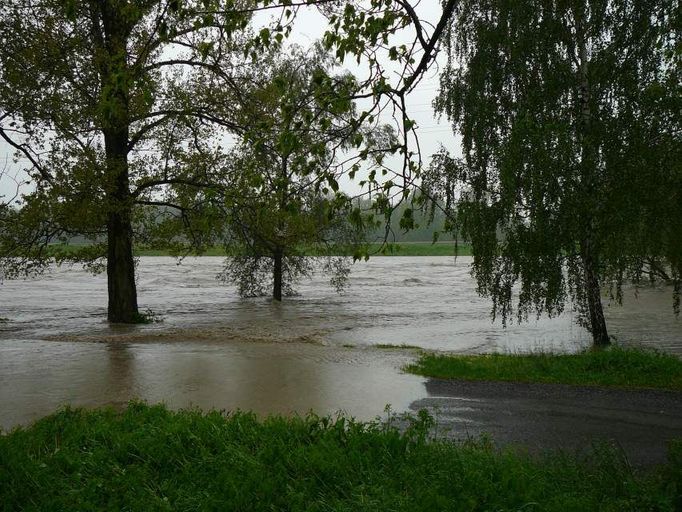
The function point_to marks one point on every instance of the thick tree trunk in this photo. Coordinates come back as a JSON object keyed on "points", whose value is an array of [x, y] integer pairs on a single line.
{"points": [[277, 275], [110, 32], [122, 307]]}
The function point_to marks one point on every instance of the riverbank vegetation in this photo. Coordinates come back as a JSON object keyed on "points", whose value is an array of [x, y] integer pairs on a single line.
{"points": [[108, 127], [149, 458], [616, 367]]}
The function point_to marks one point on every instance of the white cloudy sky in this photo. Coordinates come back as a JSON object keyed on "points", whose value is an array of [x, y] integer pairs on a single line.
{"points": [[310, 26]]}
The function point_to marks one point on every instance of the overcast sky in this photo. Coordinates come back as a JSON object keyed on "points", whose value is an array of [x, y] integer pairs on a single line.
{"points": [[310, 26]]}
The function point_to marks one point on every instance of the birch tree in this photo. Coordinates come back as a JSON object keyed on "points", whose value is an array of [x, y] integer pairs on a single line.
{"points": [[571, 178]]}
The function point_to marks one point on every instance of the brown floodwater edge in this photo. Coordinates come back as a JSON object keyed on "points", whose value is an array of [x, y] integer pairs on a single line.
{"points": [[37, 377]]}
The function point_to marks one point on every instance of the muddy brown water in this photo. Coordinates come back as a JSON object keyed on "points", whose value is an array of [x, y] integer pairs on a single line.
{"points": [[313, 352]]}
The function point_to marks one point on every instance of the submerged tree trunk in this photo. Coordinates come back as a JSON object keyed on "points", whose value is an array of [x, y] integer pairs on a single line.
{"points": [[122, 306], [278, 253], [277, 275], [110, 31], [597, 322]]}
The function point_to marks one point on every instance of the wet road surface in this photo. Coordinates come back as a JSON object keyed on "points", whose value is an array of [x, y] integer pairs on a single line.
{"points": [[550, 416]]}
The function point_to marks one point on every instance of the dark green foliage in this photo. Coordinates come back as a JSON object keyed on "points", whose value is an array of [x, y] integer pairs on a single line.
{"points": [[148, 458], [618, 367], [572, 167]]}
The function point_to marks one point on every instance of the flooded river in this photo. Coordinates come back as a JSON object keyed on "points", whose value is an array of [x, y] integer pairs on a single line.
{"points": [[316, 351]]}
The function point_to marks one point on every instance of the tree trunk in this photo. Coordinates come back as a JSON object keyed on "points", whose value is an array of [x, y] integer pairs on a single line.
{"points": [[278, 253], [597, 325], [588, 161], [277, 275], [110, 32], [122, 307]]}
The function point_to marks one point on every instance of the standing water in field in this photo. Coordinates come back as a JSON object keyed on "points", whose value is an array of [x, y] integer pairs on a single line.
{"points": [[430, 302], [313, 351]]}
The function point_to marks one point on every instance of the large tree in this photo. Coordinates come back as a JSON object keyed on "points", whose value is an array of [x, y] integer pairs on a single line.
{"points": [[85, 85], [571, 177], [90, 89], [274, 196]]}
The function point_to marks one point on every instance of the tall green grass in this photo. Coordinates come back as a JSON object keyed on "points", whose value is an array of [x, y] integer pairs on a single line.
{"points": [[149, 458], [616, 366]]}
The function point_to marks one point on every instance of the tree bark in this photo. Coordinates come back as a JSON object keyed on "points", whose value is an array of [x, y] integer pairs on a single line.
{"points": [[588, 162], [597, 325], [110, 35], [122, 305], [278, 253], [277, 275]]}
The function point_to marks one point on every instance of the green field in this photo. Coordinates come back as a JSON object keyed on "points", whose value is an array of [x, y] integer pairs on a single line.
{"points": [[149, 458], [616, 367], [401, 249]]}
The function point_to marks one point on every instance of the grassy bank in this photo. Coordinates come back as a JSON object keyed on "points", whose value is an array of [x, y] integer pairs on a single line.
{"points": [[617, 367], [147, 458], [401, 249]]}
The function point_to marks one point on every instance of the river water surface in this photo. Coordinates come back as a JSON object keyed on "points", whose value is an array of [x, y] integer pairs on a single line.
{"points": [[316, 351]]}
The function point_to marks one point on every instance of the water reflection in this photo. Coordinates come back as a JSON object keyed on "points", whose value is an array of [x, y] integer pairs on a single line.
{"points": [[121, 373], [36, 377]]}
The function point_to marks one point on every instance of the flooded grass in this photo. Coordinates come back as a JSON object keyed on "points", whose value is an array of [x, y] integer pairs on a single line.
{"points": [[149, 458], [614, 367]]}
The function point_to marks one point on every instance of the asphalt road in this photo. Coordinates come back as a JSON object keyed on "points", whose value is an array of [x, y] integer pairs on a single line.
{"points": [[543, 417]]}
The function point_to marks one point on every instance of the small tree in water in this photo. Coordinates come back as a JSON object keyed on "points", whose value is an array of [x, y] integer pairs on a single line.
{"points": [[571, 177], [283, 202]]}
